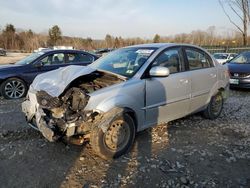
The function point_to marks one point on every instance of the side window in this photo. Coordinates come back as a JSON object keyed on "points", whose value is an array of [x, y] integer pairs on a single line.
{"points": [[51, 59], [77, 58], [198, 59], [86, 58], [172, 59]]}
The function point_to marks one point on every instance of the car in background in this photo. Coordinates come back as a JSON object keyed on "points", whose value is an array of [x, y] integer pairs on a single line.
{"points": [[16, 78], [223, 58], [3, 52], [103, 51], [124, 92], [239, 69]]}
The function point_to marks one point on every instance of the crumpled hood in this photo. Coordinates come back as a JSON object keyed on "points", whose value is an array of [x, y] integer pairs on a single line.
{"points": [[54, 82]]}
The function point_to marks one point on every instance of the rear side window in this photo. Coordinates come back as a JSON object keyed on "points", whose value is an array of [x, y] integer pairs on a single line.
{"points": [[57, 58], [78, 58], [171, 59], [198, 59]]}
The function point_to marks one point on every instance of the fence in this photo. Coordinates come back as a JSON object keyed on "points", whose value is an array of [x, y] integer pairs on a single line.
{"points": [[226, 49]]}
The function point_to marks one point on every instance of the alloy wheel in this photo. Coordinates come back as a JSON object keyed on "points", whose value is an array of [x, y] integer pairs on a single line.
{"points": [[14, 89]]}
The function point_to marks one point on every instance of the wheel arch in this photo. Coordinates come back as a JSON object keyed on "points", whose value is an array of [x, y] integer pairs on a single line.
{"points": [[17, 77], [105, 117], [133, 115]]}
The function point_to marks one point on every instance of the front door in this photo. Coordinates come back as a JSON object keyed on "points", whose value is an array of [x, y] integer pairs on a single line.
{"points": [[168, 98], [49, 62]]}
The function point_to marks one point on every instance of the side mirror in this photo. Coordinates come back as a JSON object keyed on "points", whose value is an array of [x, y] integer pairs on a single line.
{"points": [[158, 71], [38, 64]]}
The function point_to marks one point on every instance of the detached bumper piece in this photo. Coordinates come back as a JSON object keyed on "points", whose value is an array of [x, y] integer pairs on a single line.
{"points": [[46, 130]]}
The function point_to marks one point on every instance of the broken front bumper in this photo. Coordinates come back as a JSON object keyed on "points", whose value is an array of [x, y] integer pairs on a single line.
{"points": [[34, 116], [36, 119]]}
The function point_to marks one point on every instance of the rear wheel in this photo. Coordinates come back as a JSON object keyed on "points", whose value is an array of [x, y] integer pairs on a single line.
{"points": [[117, 139], [13, 88], [214, 107]]}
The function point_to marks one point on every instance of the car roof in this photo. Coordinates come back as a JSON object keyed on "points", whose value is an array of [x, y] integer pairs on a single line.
{"points": [[65, 50], [62, 50], [160, 45]]}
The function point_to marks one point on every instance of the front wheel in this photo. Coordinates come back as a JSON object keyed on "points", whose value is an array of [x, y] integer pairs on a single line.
{"points": [[214, 107], [117, 139], [13, 88]]}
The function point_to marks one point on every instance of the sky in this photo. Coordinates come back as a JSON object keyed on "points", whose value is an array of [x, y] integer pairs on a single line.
{"points": [[126, 18]]}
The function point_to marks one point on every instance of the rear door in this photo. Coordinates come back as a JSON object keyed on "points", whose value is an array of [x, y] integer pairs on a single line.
{"points": [[203, 76], [167, 98]]}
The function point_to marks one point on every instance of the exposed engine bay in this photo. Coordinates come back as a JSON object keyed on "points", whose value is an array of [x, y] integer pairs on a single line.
{"points": [[65, 116]]}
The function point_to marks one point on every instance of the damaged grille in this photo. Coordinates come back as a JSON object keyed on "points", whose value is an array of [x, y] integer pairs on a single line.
{"points": [[239, 75]]}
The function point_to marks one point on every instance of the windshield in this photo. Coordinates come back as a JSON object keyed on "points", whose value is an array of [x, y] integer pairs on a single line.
{"points": [[30, 58], [125, 62], [243, 58], [220, 56]]}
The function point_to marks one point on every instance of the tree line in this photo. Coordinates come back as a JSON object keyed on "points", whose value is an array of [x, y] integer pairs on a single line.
{"points": [[28, 40]]}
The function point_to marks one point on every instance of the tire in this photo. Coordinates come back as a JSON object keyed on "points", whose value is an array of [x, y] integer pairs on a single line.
{"points": [[214, 107], [13, 88], [107, 145]]}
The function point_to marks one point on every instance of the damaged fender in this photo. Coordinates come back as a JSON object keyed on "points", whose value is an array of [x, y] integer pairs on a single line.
{"points": [[103, 120]]}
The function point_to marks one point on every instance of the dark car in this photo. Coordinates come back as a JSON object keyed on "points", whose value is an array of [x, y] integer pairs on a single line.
{"points": [[239, 69], [16, 78], [2, 52]]}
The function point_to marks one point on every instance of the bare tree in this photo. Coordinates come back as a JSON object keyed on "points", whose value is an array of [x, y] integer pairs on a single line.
{"points": [[241, 9]]}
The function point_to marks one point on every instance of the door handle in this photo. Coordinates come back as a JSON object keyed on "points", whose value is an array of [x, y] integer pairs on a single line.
{"points": [[213, 75], [184, 81]]}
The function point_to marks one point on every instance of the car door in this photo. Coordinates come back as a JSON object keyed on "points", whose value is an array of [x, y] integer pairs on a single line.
{"points": [[48, 62], [167, 98], [78, 58], [203, 77]]}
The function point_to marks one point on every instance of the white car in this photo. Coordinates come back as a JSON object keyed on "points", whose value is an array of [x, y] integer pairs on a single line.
{"points": [[223, 58]]}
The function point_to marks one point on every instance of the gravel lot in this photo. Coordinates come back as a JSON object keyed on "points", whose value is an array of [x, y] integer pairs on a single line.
{"points": [[191, 152], [12, 57]]}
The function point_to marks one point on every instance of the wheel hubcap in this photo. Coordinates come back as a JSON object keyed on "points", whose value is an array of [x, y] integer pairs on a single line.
{"points": [[216, 104], [14, 89], [117, 135]]}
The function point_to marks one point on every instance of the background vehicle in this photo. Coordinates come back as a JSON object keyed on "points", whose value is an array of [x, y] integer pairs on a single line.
{"points": [[223, 58], [124, 92], [3, 52], [239, 69], [16, 78], [103, 51]]}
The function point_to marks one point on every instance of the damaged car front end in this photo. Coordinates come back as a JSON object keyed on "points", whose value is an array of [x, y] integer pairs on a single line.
{"points": [[65, 116], [129, 90]]}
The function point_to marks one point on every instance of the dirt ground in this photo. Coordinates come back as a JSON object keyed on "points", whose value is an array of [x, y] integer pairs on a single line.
{"points": [[191, 152], [12, 57]]}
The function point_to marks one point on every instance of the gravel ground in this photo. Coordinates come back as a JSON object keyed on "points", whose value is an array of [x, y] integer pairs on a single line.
{"points": [[190, 152], [12, 57]]}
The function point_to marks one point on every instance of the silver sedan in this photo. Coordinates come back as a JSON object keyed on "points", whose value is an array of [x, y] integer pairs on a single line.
{"points": [[126, 91]]}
